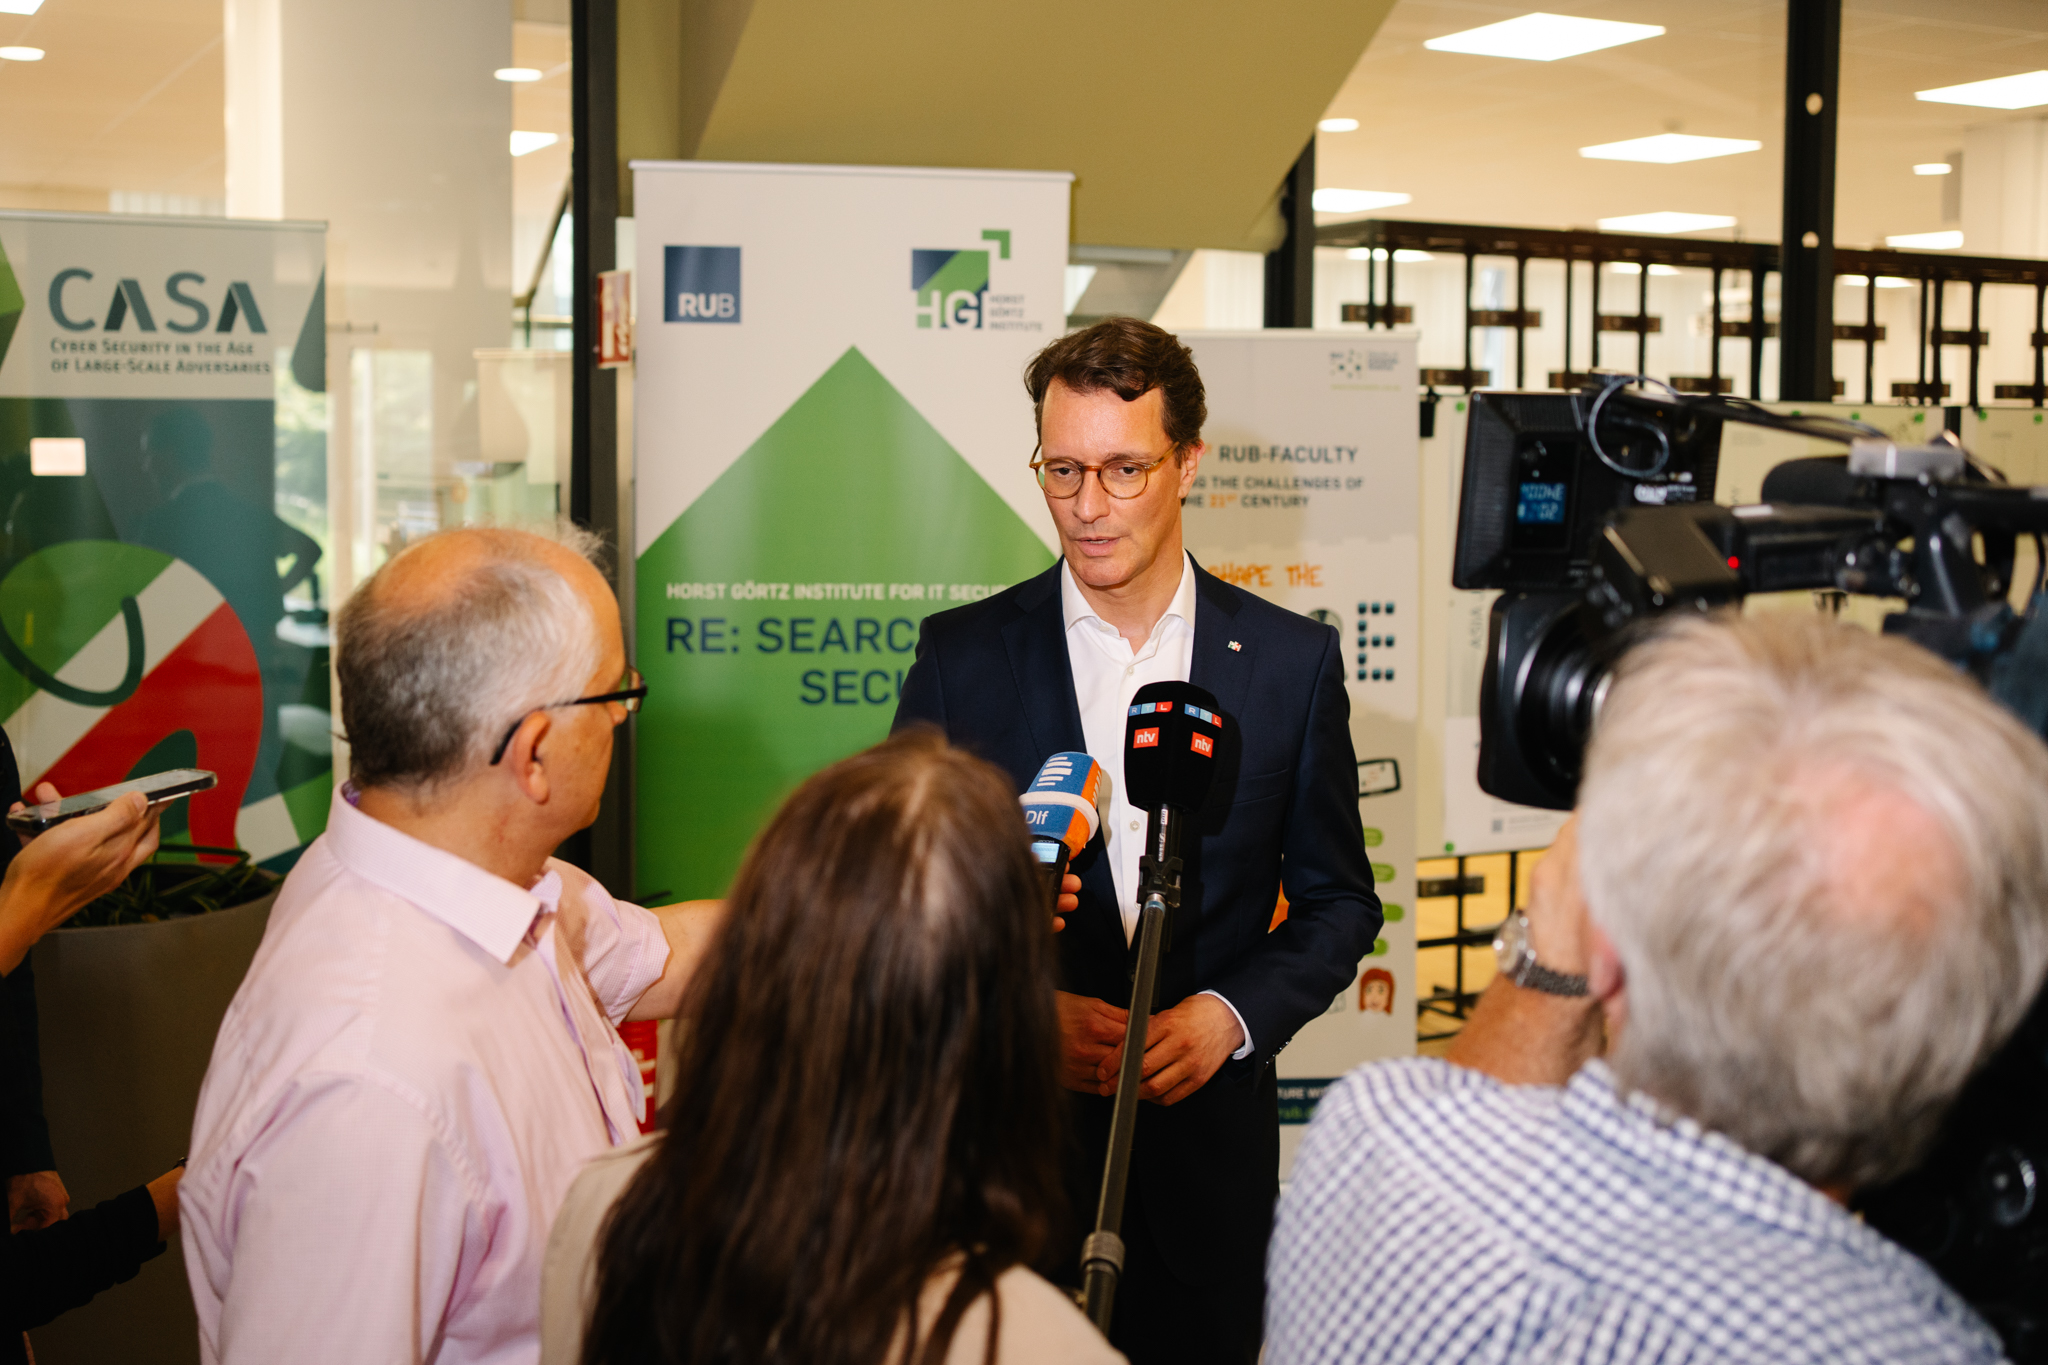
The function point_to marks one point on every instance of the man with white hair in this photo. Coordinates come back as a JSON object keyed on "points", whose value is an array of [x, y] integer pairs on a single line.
{"points": [[423, 1053], [1804, 895]]}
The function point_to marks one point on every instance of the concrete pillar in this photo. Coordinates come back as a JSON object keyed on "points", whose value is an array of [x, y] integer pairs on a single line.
{"points": [[2004, 213]]}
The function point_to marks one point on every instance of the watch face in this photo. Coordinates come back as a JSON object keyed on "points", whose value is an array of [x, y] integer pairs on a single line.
{"points": [[1511, 944]]}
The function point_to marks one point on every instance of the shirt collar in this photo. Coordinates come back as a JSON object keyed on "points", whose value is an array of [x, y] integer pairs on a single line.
{"points": [[481, 906], [1074, 607], [1714, 1165]]}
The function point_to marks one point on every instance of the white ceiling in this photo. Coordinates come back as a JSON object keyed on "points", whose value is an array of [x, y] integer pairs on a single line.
{"points": [[129, 99], [1495, 140]]}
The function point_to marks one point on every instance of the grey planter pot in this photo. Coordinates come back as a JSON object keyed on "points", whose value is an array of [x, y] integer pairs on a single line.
{"points": [[128, 1017]]}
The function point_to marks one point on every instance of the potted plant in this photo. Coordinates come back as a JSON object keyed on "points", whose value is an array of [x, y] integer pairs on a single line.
{"points": [[130, 993]]}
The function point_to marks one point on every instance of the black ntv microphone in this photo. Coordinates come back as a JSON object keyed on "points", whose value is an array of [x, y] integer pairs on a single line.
{"points": [[1170, 739], [1171, 734]]}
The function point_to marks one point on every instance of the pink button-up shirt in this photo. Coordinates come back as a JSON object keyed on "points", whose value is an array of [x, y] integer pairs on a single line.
{"points": [[419, 1061]]}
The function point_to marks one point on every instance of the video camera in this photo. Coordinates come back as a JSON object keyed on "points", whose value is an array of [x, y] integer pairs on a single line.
{"points": [[1592, 512]]}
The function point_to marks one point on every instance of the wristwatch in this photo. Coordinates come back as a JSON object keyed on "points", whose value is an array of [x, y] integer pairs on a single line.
{"points": [[1518, 960]]}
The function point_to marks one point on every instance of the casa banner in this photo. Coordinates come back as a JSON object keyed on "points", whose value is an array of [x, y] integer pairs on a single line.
{"points": [[831, 443], [163, 475]]}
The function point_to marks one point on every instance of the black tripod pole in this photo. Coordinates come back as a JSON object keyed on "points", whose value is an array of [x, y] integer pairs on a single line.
{"points": [[1102, 1255]]}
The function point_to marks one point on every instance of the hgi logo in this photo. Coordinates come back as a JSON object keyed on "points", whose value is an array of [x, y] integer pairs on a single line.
{"points": [[700, 284], [949, 288]]}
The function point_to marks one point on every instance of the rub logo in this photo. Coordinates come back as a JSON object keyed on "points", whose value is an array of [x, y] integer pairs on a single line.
{"points": [[700, 284], [1203, 745], [1145, 739]]}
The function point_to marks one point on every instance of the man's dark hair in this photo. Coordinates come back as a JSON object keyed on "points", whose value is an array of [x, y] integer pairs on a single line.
{"points": [[1130, 358]]}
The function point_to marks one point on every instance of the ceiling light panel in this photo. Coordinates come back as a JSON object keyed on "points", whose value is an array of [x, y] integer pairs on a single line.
{"points": [[1403, 256], [1357, 201], [517, 75], [20, 6], [1543, 37], [2007, 92], [21, 54], [1338, 125], [524, 142], [1666, 222], [1668, 149], [1933, 168], [1927, 241]]}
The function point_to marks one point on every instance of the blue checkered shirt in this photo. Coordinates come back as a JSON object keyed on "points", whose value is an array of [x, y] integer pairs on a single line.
{"points": [[1437, 1214]]}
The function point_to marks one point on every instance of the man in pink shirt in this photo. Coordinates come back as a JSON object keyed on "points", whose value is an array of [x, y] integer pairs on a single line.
{"points": [[423, 1053]]}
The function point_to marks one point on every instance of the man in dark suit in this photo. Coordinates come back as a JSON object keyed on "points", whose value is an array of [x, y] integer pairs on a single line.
{"points": [[1051, 664]]}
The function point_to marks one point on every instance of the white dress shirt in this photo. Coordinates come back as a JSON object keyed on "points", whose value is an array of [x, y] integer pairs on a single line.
{"points": [[419, 1061], [1107, 674]]}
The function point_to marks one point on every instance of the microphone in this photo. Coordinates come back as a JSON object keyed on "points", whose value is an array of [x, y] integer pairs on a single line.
{"points": [[1819, 481], [1171, 733], [1063, 807], [1170, 736]]}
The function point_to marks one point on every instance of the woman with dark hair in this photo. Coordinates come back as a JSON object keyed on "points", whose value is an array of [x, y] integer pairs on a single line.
{"points": [[860, 1158]]}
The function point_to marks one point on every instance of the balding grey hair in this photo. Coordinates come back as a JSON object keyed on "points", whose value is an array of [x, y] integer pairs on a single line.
{"points": [[430, 683], [1828, 1037]]}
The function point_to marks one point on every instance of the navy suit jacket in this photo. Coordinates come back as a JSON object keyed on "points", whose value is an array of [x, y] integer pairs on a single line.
{"points": [[1283, 813]]}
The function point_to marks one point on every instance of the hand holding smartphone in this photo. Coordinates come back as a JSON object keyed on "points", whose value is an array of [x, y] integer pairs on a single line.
{"points": [[160, 789]]}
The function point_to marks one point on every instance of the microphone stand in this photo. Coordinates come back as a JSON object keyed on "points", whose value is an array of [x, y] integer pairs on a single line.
{"points": [[1102, 1255]]}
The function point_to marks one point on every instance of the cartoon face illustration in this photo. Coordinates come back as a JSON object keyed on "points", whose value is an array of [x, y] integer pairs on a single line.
{"points": [[1376, 990]]}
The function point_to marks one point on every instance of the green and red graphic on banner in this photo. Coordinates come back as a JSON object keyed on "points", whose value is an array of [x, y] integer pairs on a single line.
{"points": [[144, 565], [778, 615]]}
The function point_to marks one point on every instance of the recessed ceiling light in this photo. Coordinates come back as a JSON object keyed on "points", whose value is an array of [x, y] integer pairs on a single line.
{"points": [[1356, 201], [1667, 149], [523, 142], [21, 54], [518, 75], [1883, 282], [1542, 37], [1402, 256], [1927, 241], [1631, 268], [20, 6], [1666, 222], [2007, 92], [1933, 168], [1338, 125]]}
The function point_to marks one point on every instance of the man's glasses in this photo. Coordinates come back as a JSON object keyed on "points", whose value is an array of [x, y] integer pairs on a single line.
{"points": [[629, 696], [1119, 478]]}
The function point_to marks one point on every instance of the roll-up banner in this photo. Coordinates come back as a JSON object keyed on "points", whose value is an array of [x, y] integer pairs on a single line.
{"points": [[163, 491], [1310, 497], [831, 440]]}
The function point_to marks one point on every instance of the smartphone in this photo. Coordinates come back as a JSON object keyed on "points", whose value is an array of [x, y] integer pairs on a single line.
{"points": [[160, 788]]}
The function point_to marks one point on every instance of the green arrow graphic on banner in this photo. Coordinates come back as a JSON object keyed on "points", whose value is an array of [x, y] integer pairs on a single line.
{"points": [[778, 615], [11, 303]]}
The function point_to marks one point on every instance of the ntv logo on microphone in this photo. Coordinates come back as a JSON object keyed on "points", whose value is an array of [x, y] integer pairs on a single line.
{"points": [[700, 284]]}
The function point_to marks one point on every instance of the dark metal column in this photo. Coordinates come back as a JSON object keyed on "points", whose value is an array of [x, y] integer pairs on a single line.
{"points": [[1714, 331], [605, 849], [1806, 318], [1291, 266]]}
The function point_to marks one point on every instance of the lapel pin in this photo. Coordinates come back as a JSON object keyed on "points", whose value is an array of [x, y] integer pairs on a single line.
{"points": [[1235, 645]]}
